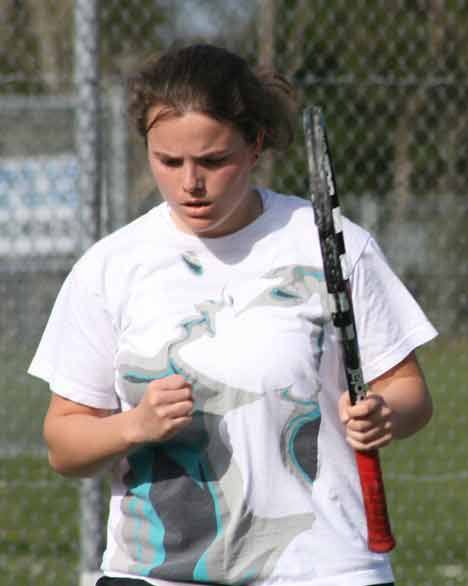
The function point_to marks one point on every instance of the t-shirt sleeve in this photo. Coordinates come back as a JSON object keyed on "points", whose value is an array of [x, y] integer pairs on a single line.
{"points": [[390, 324], [76, 352]]}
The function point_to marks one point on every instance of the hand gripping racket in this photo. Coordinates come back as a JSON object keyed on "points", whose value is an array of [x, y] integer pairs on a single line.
{"points": [[328, 220]]}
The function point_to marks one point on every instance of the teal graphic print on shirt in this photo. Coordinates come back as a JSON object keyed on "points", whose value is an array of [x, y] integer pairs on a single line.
{"points": [[184, 510], [193, 262]]}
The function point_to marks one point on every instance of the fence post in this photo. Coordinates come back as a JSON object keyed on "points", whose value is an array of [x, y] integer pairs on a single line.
{"points": [[87, 119], [88, 134], [266, 57], [118, 185]]}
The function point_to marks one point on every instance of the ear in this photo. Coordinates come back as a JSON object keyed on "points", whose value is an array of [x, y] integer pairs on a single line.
{"points": [[259, 143], [258, 146]]}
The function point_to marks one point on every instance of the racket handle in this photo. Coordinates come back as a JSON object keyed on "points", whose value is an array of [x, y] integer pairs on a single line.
{"points": [[380, 538]]}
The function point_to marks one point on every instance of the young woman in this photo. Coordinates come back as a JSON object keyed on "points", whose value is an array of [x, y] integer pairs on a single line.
{"points": [[190, 352]]}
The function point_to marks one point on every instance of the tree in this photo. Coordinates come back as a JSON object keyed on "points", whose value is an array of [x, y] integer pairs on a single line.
{"points": [[51, 25], [392, 94]]}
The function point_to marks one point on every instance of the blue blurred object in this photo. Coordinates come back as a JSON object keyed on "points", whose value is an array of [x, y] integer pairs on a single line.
{"points": [[39, 205]]}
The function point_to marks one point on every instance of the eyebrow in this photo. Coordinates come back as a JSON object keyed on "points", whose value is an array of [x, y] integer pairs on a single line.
{"points": [[207, 155]]}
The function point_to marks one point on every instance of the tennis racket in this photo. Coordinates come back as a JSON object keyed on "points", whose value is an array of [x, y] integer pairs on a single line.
{"points": [[328, 221]]}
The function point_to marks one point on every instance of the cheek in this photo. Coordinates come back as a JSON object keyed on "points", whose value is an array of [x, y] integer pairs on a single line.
{"points": [[232, 177], [154, 171], [162, 179]]}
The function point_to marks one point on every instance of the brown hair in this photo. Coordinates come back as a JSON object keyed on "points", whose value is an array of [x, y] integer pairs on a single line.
{"points": [[212, 80]]}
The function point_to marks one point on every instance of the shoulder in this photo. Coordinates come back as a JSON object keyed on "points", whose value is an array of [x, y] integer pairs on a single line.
{"points": [[287, 202], [357, 240], [301, 221], [139, 232], [289, 211], [110, 261]]}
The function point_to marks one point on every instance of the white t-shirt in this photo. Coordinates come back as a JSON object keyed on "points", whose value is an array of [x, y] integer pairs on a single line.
{"points": [[262, 487]]}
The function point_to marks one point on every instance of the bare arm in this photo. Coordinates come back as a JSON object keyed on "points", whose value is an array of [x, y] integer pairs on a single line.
{"points": [[397, 406], [81, 439]]}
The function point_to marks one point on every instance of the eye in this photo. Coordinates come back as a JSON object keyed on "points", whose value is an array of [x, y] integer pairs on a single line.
{"points": [[169, 161], [212, 162]]}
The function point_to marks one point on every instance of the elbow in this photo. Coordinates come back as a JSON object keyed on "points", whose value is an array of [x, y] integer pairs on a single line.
{"points": [[59, 466], [57, 463], [60, 461], [65, 432], [416, 421], [413, 417], [68, 469], [428, 411], [426, 408]]}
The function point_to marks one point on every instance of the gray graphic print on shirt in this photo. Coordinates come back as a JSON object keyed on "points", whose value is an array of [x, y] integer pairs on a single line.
{"points": [[184, 511]]}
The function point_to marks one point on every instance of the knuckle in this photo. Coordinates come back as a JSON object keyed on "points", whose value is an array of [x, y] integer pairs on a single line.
{"points": [[155, 400], [154, 384], [361, 426], [161, 412], [176, 380], [368, 407]]}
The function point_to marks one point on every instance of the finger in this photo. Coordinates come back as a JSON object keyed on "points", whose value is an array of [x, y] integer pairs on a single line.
{"points": [[373, 436], [172, 382], [176, 381], [377, 420], [376, 444], [159, 396], [367, 407], [360, 426], [171, 410], [181, 409], [178, 424], [344, 403]]}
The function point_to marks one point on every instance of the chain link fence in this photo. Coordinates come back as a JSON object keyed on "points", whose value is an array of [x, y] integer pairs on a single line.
{"points": [[391, 77]]}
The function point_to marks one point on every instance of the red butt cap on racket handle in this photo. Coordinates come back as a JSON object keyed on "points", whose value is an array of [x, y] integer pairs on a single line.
{"points": [[380, 538]]}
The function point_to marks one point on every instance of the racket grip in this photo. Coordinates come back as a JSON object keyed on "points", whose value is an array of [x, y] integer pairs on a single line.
{"points": [[380, 538]]}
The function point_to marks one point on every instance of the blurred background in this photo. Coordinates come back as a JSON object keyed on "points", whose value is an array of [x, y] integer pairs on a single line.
{"points": [[392, 80]]}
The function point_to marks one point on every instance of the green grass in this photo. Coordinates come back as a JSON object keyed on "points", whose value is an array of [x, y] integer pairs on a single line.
{"points": [[426, 479], [24, 402], [39, 519], [39, 533]]}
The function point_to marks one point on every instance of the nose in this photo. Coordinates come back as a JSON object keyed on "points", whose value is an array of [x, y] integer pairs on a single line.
{"points": [[193, 181]]}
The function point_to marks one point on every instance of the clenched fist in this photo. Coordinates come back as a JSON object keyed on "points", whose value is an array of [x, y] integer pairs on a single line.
{"points": [[368, 423], [166, 408]]}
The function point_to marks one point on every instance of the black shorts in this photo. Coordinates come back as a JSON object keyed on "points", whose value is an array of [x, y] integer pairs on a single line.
{"points": [[106, 581]]}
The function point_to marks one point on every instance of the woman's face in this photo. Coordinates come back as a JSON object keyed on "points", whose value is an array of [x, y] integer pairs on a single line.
{"points": [[202, 168]]}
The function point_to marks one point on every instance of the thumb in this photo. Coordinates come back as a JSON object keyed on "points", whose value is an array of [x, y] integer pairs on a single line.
{"points": [[344, 403]]}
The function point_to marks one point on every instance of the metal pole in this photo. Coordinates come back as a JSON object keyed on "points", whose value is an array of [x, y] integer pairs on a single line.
{"points": [[266, 32], [89, 159], [118, 187], [266, 56], [92, 533], [87, 119]]}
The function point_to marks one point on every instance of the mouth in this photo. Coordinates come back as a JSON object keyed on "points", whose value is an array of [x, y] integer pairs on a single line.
{"points": [[196, 204], [197, 208]]}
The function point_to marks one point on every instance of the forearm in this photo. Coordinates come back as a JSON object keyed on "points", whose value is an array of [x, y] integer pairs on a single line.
{"points": [[408, 398], [82, 439], [409, 413], [80, 445]]}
